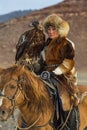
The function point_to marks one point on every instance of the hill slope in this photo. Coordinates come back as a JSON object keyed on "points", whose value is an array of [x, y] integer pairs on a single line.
{"points": [[75, 12]]}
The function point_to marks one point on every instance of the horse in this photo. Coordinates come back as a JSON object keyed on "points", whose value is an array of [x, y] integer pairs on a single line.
{"points": [[24, 90]]}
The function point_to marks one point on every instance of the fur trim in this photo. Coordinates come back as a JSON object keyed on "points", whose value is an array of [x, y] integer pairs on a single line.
{"points": [[59, 23]]}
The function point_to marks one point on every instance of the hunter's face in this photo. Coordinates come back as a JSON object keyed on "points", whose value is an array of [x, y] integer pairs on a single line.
{"points": [[52, 32]]}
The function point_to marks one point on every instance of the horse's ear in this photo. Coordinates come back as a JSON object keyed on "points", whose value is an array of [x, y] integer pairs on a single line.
{"points": [[22, 67]]}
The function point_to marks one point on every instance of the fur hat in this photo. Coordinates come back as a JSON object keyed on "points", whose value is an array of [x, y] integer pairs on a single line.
{"points": [[57, 22]]}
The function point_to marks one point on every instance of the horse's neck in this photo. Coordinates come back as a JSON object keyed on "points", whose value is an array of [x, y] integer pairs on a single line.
{"points": [[26, 113], [30, 113], [39, 103]]}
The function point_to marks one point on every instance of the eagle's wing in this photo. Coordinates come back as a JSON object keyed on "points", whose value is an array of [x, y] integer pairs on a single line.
{"points": [[20, 47]]}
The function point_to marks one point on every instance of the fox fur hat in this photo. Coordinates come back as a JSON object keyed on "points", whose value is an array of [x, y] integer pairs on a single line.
{"points": [[58, 23]]}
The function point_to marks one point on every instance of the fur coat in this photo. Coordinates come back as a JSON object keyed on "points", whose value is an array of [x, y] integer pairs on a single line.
{"points": [[58, 56]]}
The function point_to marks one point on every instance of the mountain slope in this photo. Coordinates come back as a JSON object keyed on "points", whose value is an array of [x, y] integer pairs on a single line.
{"points": [[15, 14], [75, 12]]}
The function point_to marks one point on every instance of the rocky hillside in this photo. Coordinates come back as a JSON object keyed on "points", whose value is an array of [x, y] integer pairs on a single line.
{"points": [[75, 12]]}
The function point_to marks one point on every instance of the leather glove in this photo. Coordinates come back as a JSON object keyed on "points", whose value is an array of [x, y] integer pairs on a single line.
{"points": [[37, 67]]}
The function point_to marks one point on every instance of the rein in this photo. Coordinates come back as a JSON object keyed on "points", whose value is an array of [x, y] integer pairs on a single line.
{"points": [[32, 125], [61, 127]]}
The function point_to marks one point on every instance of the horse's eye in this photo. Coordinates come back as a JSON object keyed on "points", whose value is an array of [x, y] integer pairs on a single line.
{"points": [[12, 86]]}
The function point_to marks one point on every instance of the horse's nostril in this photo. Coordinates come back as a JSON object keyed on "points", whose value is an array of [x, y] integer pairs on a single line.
{"points": [[3, 112]]}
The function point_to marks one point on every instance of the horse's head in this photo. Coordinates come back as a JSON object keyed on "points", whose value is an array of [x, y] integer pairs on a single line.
{"points": [[22, 89], [12, 94]]}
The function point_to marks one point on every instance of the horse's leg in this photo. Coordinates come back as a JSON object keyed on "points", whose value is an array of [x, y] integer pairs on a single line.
{"points": [[83, 115]]}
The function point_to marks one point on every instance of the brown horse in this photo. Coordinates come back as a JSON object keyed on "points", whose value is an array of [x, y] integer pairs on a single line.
{"points": [[24, 90]]}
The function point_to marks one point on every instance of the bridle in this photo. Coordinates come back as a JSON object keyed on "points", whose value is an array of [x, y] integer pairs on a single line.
{"points": [[14, 98], [13, 106]]}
